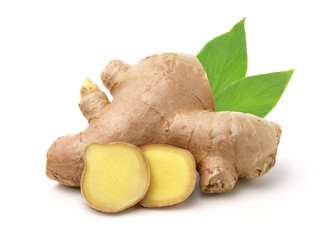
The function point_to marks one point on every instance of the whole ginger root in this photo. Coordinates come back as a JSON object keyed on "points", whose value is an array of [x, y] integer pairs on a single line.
{"points": [[166, 99]]}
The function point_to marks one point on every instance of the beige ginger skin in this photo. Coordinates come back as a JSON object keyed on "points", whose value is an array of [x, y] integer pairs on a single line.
{"points": [[166, 99]]}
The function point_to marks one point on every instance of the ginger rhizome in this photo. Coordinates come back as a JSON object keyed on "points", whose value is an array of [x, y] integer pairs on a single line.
{"points": [[116, 176], [166, 99], [173, 175]]}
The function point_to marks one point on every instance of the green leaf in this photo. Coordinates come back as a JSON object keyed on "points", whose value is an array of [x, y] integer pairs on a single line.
{"points": [[256, 94], [225, 58]]}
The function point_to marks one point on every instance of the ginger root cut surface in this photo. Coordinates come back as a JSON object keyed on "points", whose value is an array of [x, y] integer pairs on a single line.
{"points": [[116, 176], [173, 175]]}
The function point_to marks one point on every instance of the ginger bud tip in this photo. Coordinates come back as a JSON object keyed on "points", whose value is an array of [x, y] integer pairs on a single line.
{"points": [[87, 87]]}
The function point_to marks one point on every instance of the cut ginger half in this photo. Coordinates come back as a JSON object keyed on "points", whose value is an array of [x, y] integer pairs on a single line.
{"points": [[116, 176], [173, 175]]}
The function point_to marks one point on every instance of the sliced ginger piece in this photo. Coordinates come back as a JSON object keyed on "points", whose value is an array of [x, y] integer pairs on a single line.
{"points": [[116, 176], [173, 175]]}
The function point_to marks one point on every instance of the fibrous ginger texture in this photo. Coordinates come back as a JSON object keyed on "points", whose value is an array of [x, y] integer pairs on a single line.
{"points": [[173, 175], [116, 176], [166, 99]]}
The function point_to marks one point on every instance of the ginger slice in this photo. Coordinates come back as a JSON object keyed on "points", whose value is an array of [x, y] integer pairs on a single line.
{"points": [[116, 176], [173, 175]]}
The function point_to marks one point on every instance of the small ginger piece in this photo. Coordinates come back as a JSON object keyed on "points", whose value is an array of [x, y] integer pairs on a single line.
{"points": [[116, 176], [87, 87], [173, 175]]}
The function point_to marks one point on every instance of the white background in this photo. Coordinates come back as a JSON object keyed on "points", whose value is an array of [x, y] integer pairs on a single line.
{"points": [[46, 51]]}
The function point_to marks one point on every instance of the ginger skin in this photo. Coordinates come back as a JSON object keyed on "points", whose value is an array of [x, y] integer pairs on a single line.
{"points": [[166, 99]]}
